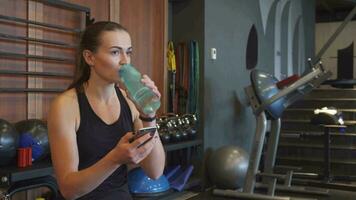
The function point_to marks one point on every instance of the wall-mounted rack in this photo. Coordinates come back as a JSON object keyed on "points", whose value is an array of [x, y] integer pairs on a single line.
{"points": [[28, 73], [35, 57], [22, 38], [31, 90]]}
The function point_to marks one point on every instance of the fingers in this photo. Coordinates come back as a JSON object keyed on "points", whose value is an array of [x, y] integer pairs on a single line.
{"points": [[149, 83], [144, 150], [138, 150], [141, 141], [127, 137]]}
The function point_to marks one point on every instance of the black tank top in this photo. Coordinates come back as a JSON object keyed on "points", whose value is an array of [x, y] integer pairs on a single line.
{"points": [[95, 139]]}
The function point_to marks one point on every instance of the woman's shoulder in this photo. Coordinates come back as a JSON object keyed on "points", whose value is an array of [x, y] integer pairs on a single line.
{"points": [[66, 100]]}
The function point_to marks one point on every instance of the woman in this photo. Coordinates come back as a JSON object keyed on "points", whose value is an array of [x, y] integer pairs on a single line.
{"points": [[91, 124]]}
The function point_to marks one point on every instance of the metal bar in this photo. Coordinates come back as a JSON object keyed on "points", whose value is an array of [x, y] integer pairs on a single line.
{"points": [[287, 168], [34, 90], [14, 37], [24, 56], [88, 20], [182, 145], [289, 176], [318, 146], [327, 165], [256, 152], [272, 187], [58, 27], [55, 74], [314, 176], [308, 160], [272, 146], [350, 1], [243, 195], [271, 175], [66, 5], [334, 36], [297, 189], [317, 183]]}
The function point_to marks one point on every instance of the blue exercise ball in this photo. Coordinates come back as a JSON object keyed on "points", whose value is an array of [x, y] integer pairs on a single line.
{"points": [[140, 184], [9, 141], [227, 167], [34, 133]]}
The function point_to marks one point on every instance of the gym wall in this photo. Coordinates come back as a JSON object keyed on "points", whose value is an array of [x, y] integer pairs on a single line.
{"points": [[285, 37], [227, 24], [323, 31]]}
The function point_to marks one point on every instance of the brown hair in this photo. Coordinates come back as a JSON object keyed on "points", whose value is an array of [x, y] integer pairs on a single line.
{"points": [[90, 40]]}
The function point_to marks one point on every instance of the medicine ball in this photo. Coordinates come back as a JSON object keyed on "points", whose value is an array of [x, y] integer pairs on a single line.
{"points": [[227, 167], [9, 140], [34, 133]]}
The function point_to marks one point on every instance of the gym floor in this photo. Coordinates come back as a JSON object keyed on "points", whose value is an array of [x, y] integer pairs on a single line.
{"points": [[207, 195], [334, 195]]}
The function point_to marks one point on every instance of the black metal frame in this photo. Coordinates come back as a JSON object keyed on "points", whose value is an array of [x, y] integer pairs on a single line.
{"points": [[3, 36], [57, 27], [59, 4], [27, 73], [35, 57], [22, 38], [182, 145], [66, 5], [14, 179], [56, 3], [31, 90]]}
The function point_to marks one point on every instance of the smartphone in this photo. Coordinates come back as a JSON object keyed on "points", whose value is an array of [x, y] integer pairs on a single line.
{"points": [[143, 131]]}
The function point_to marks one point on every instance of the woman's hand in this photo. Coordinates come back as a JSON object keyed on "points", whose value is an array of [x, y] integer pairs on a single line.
{"points": [[150, 84], [134, 152]]}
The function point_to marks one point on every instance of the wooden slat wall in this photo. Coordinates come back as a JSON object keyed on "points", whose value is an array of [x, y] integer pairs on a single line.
{"points": [[146, 22], [34, 100], [114, 11], [99, 8], [13, 107], [19, 106]]}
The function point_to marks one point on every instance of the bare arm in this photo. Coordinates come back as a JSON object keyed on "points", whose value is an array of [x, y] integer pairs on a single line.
{"points": [[154, 163], [64, 151]]}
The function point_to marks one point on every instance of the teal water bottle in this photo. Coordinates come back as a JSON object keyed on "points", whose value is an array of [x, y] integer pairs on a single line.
{"points": [[141, 94]]}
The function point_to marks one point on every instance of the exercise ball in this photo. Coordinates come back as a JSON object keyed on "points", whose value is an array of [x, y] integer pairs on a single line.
{"points": [[9, 139], [227, 167], [141, 185], [34, 133]]}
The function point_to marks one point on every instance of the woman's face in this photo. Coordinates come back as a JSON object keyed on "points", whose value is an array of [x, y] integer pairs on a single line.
{"points": [[114, 50]]}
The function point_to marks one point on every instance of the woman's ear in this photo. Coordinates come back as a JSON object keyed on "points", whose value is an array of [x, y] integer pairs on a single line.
{"points": [[89, 57]]}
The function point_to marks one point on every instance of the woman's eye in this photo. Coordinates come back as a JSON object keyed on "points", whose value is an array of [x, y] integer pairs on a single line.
{"points": [[115, 53], [129, 53]]}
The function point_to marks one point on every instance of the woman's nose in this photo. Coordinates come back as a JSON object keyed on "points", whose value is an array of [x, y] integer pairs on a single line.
{"points": [[124, 59]]}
